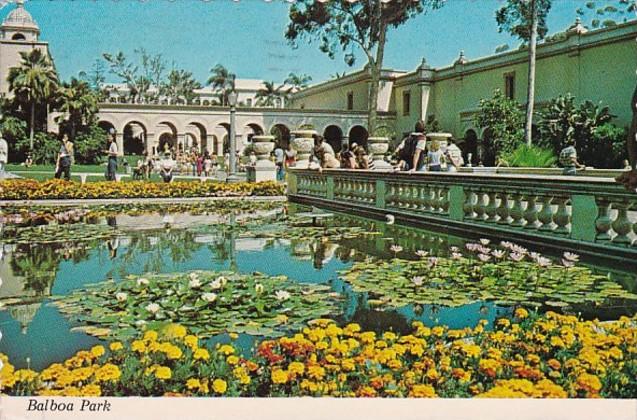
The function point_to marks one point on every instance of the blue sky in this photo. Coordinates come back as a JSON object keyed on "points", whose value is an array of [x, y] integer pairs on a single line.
{"points": [[247, 36]]}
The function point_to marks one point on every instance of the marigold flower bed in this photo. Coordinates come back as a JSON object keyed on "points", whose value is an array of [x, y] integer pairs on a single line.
{"points": [[549, 356], [28, 189]]}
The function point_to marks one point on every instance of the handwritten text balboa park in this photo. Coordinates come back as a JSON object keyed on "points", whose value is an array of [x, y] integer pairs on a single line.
{"points": [[68, 406]]}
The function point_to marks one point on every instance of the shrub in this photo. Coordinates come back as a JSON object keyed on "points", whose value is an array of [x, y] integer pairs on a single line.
{"points": [[89, 145], [45, 147], [530, 157], [606, 148]]}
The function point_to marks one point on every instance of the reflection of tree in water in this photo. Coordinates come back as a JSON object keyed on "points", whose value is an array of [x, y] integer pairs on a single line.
{"points": [[38, 263], [180, 245]]}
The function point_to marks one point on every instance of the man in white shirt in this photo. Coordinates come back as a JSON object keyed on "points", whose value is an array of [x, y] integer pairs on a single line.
{"points": [[112, 158], [4, 153]]}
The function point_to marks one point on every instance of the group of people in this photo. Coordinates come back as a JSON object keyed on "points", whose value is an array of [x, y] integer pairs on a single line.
{"points": [[66, 157], [351, 156], [414, 154]]}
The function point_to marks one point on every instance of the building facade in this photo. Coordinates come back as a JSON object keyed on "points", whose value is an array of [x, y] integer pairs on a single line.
{"points": [[19, 32], [591, 65]]}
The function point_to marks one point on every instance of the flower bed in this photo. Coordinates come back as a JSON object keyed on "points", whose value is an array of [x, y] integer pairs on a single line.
{"points": [[508, 275], [550, 356], [206, 302], [27, 189]]}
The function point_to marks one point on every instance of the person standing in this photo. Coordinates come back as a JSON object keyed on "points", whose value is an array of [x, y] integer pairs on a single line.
{"points": [[453, 157], [568, 158], [279, 158], [411, 151], [4, 154], [435, 158], [64, 159], [112, 153]]}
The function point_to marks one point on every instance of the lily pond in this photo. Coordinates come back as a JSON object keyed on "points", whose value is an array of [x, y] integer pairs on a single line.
{"points": [[76, 277]]}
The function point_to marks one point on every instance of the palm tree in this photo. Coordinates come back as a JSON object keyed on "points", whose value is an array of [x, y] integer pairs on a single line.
{"points": [[222, 81], [297, 82], [33, 82], [268, 95], [180, 85], [79, 104]]}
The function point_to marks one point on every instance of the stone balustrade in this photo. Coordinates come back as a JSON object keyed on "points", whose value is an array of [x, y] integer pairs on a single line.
{"points": [[566, 211]]}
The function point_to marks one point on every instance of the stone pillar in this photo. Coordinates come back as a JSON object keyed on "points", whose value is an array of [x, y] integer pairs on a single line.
{"points": [[181, 139], [119, 140], [344, 141], [151, 142], [210, 144], [303, 143], [378, 147], [265, 169]]}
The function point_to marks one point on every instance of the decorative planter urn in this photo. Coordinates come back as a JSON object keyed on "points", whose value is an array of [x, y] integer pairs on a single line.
{"points": [[378, 147], [302, 143], [264, 169], [441, 138]]}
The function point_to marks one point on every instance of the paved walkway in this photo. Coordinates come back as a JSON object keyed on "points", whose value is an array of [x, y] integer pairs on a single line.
{"points": [[103, 201]]}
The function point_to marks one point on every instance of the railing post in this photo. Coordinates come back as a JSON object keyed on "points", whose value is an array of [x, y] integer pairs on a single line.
{"points": [[380, 194], [583, 217], [330, 187], [292, 183], [456, 202]]}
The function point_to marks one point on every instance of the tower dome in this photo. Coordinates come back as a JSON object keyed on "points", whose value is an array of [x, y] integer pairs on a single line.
{"points": [[19, 25]]}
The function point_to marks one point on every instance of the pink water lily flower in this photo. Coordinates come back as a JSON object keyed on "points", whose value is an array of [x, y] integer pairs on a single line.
{"points": [[484, 257], [571, 257]]}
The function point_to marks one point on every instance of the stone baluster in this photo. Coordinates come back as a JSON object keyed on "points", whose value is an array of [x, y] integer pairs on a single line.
{"points": [[444, 200], [562, 217], [423, 196], [491, 208], [621, 225], [390, 197], [503, 209], [431, 200], [531, 212], [481, 206], [545, 215], [468, 205], [516, 212], [603, 222], [415, 197]]}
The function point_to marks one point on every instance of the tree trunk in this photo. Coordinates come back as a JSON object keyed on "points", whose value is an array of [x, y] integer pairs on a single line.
{"points": [[32, 127], [376, 66], [530, 101]]}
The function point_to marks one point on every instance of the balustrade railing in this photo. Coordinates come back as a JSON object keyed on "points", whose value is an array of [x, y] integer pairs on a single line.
{"points": [[588, 209]]}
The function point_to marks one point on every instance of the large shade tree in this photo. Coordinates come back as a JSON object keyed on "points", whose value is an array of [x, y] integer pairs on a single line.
{"points": [[222, 81], [78, 104], [142, 79], [526, 19], [348, 26], [33, 82]]}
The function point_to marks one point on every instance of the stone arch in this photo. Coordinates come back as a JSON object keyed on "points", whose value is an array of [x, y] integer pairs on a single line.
{"points": [[470, 146], [334, 136], [202, 134], [358, 134], [167, 136], [106, 125], [252, 129], [134, 134], [223, 129], [281, 133], [18, 37]]}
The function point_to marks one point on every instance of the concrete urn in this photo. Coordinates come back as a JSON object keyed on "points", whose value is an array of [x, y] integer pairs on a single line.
{"points": [[264, 169], [441, 138], [303, 143], [378, 148]]}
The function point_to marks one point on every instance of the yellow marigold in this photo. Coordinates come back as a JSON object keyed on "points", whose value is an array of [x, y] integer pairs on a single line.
{"points": [[471, 350], [174, 331], [351, 329], [589, 383], [554, 364], [138, 346], [219, 386], [417, 350], [348, 364], [226, 350], [296, 368], [279, 376], [394, 364], [557, 342], [193, 383], [24, 375], [432, 374], [163, 372], [461, 374], [108, 372], [91, 390], [201, 354], [233, 336], [389, 336], [422, 391], [368, 337], [191, 341], [521, 313], [333, 330], [316, 372], [489, 367], [503, 322], [115, 346], [232, 360], [150, 335], [97, 351], [438, 331], [322, 345], [171, 351]]}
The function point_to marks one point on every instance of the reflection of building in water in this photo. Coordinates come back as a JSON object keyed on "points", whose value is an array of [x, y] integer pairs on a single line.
{"points": [[251, 244], [24, 314]]}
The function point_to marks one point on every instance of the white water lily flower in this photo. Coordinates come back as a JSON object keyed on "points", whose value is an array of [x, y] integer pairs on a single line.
{"points": [[484, 241], [568, 264], [418, 280], [454, 249], [484, 257], [194, 283], [421, 253], [282, 295], [396, 248], [571, 257], [209, 297], [140, 322], [516, 256], [153, 308], [121, 297], [222, 280], [456, 255], [258, 288], [215, 285], [498, 253], [193, 276], [142, 281], [543, 261]]}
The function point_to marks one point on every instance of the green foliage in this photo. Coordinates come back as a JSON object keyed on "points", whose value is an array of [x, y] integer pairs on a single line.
{"points": [[78, 103], [222, 81], [45, 147], [269, 94], [180, 86], [606, 148], [515, 18], [139, 78], [504, 121], [563, 122], [525, 156], [89, 145]]}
